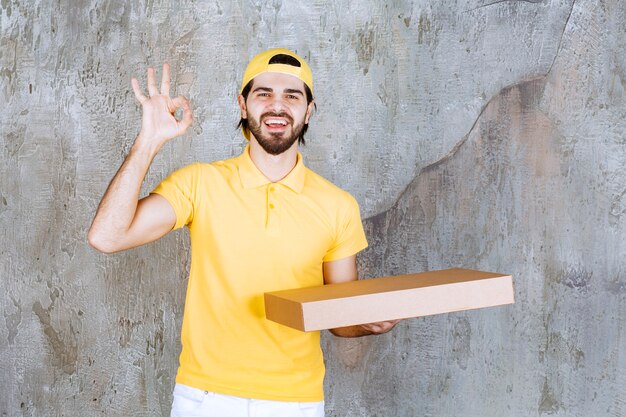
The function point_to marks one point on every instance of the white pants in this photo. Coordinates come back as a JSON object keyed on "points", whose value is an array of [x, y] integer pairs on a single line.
{"points": [[192, 402]]}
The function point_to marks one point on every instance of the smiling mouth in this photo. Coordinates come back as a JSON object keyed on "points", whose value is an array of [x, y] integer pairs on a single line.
{"points": [[275, 122]]}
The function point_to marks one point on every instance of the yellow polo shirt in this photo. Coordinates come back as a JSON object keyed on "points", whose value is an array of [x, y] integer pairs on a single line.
{"points": [[250, 236]]}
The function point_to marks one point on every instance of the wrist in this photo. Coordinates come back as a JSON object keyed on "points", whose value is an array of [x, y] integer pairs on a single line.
{"points": [[146, 145]]}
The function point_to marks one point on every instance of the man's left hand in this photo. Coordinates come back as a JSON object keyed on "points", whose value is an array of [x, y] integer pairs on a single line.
{"points": [[380, 327]]}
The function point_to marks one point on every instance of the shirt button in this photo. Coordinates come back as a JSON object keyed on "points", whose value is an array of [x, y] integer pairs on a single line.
{"points": [[272, 189], [271, 206]]}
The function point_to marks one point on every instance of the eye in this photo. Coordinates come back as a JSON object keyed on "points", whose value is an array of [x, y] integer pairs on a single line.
{"points": [[292, 97]]}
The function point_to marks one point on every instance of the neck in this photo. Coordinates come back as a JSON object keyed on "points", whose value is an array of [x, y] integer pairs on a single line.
{"points": [[274, 167]]}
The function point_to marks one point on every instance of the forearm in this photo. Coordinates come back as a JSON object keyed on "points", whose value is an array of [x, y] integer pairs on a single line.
{"points": [[116, 211]]}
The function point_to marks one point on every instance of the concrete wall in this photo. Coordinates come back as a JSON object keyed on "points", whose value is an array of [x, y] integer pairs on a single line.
{"points": [[484, 134]]}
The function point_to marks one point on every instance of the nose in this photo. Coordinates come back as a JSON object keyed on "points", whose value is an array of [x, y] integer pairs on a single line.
{"points": [[277, 104]]}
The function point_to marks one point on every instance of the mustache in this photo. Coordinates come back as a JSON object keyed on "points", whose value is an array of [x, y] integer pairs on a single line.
{"points": [[275, 114]]}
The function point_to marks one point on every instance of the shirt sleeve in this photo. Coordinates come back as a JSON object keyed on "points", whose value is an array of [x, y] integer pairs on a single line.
{"points": [[179, 189], [350, 236]]}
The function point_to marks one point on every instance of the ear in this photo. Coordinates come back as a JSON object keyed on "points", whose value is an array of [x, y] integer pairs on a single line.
{"points": [[242, 106], [309, 110]]}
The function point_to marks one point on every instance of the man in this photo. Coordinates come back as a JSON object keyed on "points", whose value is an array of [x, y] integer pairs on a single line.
{"points": [[259, 222]]}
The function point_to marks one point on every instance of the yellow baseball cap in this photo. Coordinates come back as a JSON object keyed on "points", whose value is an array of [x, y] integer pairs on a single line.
{"points": [[273, 60], [277, 60]]}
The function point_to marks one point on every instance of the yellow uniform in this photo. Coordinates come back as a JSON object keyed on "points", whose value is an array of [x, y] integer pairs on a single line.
{"points": [[250, 236]]}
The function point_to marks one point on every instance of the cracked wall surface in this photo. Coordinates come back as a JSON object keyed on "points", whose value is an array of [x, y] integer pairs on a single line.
{"points": [[479, 134]]}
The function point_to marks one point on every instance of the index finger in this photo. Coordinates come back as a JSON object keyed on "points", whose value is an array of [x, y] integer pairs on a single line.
{"points": [[183, 103]]}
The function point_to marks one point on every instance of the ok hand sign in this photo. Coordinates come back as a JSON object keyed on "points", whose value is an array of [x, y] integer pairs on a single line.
{"points": [[158, 123]]}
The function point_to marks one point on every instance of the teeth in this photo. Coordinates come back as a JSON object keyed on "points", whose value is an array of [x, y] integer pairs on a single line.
{"points": [[275, 122]]}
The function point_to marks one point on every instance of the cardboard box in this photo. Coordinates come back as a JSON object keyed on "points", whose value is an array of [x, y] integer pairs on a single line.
{"points": [[388, 298]]}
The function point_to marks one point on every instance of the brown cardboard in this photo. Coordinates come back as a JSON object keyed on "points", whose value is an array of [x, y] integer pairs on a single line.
{"points": [[388, 298]]}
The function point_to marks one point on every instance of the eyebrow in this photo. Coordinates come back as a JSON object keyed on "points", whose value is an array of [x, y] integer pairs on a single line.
{"points": [[293, 91], [269, 90], [286, 90]]}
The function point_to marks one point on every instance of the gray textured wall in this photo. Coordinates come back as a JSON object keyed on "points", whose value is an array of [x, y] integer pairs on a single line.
{"points": [[483, 134]]}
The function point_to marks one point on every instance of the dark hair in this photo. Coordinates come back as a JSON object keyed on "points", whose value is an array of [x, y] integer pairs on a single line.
{"points": [[287, 60]]}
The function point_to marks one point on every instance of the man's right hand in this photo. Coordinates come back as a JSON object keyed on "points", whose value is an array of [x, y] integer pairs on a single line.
{"points": [[123, 221], [158, 123]]}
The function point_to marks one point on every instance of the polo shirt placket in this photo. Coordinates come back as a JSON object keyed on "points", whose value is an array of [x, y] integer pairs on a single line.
{"points": [[272, 222], [276, 194]]}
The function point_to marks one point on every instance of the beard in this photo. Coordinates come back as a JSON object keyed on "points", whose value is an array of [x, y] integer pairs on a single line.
{"points": [[275, 143]]}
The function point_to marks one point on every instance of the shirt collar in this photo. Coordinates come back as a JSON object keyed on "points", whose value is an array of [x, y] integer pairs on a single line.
{"points": [[251, 177]]}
